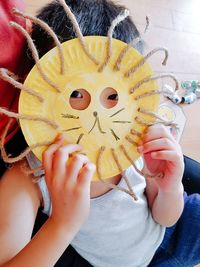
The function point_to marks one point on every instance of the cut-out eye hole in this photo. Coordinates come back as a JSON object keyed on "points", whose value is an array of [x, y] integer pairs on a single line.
{"points": [[76, 94], [109, 97], [80, 99]]}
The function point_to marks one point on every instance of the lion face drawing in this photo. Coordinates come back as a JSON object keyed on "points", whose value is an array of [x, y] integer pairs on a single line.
{"points": [[100, 110]]}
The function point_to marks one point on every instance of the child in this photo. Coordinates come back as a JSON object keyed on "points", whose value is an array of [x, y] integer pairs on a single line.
{"points": [[118, 231]]}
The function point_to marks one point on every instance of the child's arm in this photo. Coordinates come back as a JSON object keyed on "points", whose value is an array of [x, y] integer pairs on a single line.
{"points": [[162, 154], [19, 202], [68, 179]]}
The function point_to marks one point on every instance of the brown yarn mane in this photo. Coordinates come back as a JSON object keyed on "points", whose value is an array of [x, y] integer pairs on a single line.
{"points": [[9, 77]]}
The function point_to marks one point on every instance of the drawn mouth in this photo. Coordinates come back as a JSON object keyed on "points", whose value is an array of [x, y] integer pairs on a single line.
{"points": [[97, 121]]}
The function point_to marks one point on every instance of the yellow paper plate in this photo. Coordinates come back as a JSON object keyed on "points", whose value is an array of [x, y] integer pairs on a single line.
{"points": [[113, 125]]}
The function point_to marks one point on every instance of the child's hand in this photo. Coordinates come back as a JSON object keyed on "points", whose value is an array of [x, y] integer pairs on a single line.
{"points": [[68, 179], [163, 154]]}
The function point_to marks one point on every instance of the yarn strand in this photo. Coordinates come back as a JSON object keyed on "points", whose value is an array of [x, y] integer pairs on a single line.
{"points": [[148, 79], [159, 118], [131, 192], [34, 54], [77, 30], [122, 16], [143, 61], [136, 168], [46, 27], [133, 43], [6, 157], [110, 185], [28, 117], [6, 75]]}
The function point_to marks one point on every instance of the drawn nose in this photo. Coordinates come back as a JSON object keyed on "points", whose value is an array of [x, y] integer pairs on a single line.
{"points": [[95, 114]]}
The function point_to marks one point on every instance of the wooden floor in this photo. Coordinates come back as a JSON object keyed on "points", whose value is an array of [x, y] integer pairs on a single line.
{"points": [[175, 24]]}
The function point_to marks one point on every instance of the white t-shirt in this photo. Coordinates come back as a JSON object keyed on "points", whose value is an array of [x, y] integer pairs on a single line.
{"points": [[119, 232]]}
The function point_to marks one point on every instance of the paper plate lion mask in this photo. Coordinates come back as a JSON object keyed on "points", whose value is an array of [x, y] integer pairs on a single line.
{"points": [[98, 91]]}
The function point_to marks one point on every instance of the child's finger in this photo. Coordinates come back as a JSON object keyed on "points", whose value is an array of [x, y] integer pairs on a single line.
{"points": [[157, 132], [169, 155], [61, 157], [86, 174], [74, 167], [158, 144], [59, 138], [47, 156]]}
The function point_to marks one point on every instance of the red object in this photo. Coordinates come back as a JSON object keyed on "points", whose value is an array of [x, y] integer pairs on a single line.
{"points": [[11, 49]]}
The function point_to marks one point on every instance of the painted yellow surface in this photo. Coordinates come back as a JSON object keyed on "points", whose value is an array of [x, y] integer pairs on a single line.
{"points": [[96, 126]]}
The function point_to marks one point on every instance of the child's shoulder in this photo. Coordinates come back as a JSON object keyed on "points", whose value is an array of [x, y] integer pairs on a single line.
{"points": [[16, 182]]}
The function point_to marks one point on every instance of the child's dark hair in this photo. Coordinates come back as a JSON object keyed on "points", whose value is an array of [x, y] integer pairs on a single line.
{"points": [[93, 17]]}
